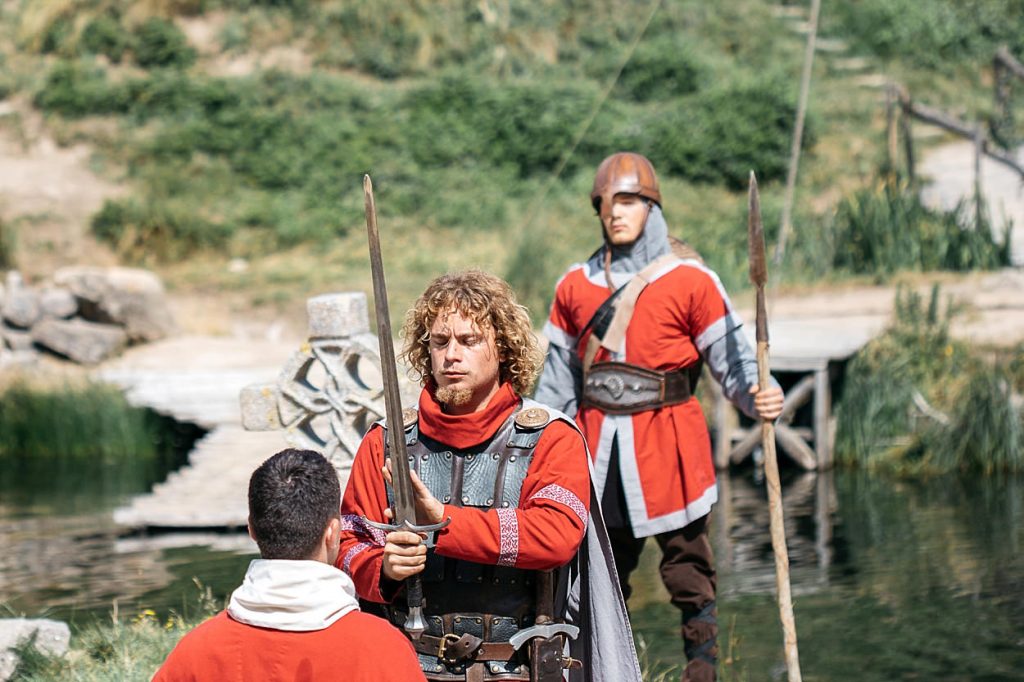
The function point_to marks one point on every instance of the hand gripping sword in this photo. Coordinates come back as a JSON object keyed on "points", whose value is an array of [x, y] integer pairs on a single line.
{"points": [[405, 503], [759, 278]]}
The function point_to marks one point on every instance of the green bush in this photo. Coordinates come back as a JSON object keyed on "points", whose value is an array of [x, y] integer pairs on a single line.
{"points": [[886, 228], [74, 90], [934, 34], [162, 44], [156, 230], [105, 35], [661, 69], [720, 135]]}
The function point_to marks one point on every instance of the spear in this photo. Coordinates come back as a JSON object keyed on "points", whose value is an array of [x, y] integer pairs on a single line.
{"points": [[759, 278]]}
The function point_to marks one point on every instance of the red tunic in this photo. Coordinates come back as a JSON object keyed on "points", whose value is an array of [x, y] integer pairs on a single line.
{"points": [[544, 532], [665, 454], [358, 647]]}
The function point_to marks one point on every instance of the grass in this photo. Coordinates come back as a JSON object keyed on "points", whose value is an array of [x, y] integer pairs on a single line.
{"points": [[918, 402], [126, 648]]}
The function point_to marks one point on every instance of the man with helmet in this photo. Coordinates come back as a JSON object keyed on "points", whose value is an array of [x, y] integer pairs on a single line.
{"points": [[629, 331]]}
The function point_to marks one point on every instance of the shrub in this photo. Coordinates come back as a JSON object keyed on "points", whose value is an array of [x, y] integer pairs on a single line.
{"points": [[162, 44], [105, 35], [720, 135], [931, 34], [660, 69], [886, 228], [74, 90], [156, 230]]}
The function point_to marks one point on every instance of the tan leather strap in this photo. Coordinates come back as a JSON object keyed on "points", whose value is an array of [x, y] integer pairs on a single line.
{"points": [[616, 334]]}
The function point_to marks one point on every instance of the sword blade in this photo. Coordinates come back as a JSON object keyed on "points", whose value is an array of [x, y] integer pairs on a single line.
{"points": [[405, 506]]}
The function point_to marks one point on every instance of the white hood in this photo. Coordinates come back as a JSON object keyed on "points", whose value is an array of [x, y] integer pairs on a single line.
{"points": [[298, 596]]}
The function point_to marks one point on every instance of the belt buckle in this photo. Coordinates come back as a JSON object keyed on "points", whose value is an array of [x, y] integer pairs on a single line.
{"points": [[446, 640]]}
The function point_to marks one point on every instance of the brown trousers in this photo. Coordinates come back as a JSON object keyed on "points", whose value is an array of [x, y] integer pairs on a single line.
{"points": [[687, 571]]}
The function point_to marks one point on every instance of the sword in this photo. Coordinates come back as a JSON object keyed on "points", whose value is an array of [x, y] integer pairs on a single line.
{"points": [[405, 502], [759, 278]]}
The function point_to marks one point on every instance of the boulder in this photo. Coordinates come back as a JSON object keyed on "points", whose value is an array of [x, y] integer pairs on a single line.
{"points": [[129, 297], [50, 637], [15, 339], [21, 307], [57, 303], [81, 341]]}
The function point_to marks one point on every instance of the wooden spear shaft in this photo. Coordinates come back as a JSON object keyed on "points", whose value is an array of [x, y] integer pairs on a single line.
{"points": [[759, 277]]}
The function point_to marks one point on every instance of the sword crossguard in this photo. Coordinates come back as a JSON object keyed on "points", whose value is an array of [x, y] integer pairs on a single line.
{"points": [[428, 529]]}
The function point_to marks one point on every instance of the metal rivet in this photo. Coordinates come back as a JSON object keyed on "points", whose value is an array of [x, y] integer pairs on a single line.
{"points": [[478, 620], [490, 501], [458, 619], [438, 668], [469, 458], [447, 498], [465, 499], [504, 504], [495, 621], [495, 456], [512, 458], [513, 581], [411, 458], [479, 579], [413, 441], [426, 457], [447, 455], [510, 444], [496, 581]]}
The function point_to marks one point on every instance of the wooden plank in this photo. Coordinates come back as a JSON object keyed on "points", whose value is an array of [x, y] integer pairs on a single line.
{"points": [[796, 447], [795, 399], [822, 410]]}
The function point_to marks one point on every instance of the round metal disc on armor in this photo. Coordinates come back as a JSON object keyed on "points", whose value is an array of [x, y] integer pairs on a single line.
{"points": [[409, 417], [533, 418]]}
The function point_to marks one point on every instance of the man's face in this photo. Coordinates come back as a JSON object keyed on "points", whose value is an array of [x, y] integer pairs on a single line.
{"points": [[624, 223], [464, 363]]}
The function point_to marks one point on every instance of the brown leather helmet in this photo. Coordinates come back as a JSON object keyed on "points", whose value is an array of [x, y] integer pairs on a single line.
{"points": [[626, 173]]}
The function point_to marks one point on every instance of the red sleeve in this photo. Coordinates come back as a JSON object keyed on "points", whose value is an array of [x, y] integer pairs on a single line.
{"points": [[561, 316], [547, 528], [362, 546]]}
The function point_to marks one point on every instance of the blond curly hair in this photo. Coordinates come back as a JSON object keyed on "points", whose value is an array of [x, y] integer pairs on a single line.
{"points": [[489, 302]]}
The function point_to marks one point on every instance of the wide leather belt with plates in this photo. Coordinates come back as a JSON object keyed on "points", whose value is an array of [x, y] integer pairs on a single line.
{"points": [[454, 649], [623, 388]]}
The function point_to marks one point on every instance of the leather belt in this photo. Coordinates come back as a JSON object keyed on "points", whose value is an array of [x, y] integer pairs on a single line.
{"points": [[624, 388], [454, 649]]}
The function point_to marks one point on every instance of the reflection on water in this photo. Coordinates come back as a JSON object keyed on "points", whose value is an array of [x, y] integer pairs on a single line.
{"points": [[892, 580]]}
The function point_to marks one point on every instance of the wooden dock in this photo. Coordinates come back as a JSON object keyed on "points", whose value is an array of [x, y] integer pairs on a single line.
{"points": [[812, 350], [198, 379]]}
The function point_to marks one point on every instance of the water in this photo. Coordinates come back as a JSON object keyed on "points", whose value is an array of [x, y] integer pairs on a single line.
{"points": [[917, 580]]}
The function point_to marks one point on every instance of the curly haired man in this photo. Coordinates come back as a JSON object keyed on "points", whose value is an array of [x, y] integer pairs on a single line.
{"points": [[513, 478]]}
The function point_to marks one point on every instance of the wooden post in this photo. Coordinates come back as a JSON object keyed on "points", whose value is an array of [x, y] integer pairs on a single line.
{"points": [[908, 139], [822, 408], [725, 419], [891, 137], [798, 133], [979, 149]]}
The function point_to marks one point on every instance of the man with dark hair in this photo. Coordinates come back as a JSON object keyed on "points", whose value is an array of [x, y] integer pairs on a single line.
{"points": [[629, 332], [503, 578], [295, 616]]}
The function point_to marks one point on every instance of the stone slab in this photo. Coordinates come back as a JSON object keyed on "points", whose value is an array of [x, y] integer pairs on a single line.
{"points": [[51, 637]]}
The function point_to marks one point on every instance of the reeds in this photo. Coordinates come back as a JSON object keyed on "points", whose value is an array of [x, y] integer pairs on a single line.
{"points": [[917, 401]]}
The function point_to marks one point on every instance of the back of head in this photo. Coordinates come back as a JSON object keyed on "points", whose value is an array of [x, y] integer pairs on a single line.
{"points": [[490, 302], [624, 173], [292, 497]]}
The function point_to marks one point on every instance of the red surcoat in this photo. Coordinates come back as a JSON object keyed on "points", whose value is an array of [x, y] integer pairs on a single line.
{"points": [[665, 454], [543, 532], [358, 647]]}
